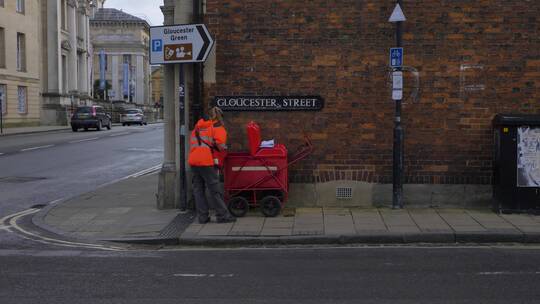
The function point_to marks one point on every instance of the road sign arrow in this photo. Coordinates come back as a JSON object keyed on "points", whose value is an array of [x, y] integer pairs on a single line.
{"points": [[397, 14], [183, 43], [206, 44]]}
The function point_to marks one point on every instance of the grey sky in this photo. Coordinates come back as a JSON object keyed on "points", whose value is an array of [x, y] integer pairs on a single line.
{"points": [[146, 9]]}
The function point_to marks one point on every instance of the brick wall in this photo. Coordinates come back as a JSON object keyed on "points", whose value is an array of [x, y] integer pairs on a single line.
{"points": [[473, 58]]}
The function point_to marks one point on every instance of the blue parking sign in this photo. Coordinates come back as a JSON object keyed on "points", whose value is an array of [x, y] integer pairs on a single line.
{"points": [[396, 57], [157, 45]]}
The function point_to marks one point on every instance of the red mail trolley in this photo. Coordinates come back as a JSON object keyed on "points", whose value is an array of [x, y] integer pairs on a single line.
{"points": [[259, 177]]}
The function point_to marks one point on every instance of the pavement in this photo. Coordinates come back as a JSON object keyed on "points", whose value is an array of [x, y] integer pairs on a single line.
{"points": [[126, 212], [29, 130]]}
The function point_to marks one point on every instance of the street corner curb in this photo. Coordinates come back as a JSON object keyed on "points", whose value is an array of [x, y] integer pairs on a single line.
{"points": [[372, 238], [531, 237], [146, 241], [38, 219], [491, 237], [430, 237]]}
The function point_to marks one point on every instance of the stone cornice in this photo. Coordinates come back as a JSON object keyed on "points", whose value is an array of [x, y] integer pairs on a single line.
{"points": [[73, 3]]}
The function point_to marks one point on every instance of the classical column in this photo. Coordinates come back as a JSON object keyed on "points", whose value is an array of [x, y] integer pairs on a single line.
{"points": [[83, 23], [113, 65], [167, 177], [72, 57], [139, 80], [54, 59]]}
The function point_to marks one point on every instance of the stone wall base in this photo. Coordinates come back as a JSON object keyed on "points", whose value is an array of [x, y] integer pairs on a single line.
{"points": [[370, 195]]}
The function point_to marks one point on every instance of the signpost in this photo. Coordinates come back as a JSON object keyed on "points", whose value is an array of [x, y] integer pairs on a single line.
{"points": [[1, 113], [396, 62], [180, 44]]}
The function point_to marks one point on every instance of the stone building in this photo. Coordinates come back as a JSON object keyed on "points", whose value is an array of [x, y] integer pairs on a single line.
{"points": [[20, 41], [156, 86], [465, 61], [123, 38], [65, 58]]}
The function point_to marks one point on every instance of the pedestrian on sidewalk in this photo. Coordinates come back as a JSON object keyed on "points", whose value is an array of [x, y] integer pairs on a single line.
{"points": [[208, 143]]}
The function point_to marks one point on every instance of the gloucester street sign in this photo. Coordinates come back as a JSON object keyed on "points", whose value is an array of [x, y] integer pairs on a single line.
{"points": [[269, 103]]}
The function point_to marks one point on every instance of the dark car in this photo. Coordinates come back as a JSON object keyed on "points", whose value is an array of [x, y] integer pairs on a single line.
{"points": [[90, 117]]}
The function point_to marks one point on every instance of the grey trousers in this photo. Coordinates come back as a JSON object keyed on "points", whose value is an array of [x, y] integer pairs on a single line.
{"points": [[207, 177]]}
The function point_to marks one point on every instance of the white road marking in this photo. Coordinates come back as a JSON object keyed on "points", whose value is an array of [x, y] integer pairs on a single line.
{"points": [[83, 140], [1, 154], [43, 239], [145, 150], [35, 148], [495, 273], [137, 174], [203, 275], [125, 133]]}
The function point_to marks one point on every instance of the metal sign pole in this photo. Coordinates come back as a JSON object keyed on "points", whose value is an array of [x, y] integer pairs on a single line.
{"points": [[183, 132], [1, 113], [397, 187]]}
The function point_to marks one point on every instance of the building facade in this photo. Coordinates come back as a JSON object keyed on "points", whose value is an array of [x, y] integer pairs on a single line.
{"points": [[464, 63], [123, 40], [20, 64], [66, 52]]}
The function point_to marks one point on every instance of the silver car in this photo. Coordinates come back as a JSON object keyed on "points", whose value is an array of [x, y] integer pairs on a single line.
{"points": [[133, 116]]}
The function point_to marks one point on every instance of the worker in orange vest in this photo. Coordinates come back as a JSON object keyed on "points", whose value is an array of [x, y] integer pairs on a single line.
{"points": [[208, 142]]}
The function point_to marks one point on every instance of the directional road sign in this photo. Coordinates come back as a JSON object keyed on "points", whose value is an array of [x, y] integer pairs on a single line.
{"points": [[183, 43], [396, 57]]}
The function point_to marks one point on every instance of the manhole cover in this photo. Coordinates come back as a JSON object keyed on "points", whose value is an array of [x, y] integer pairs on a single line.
{"points": [[19, 179]]}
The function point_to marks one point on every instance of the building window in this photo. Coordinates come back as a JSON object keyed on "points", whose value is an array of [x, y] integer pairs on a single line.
{"points": [[3, 98], [21, 52], [22, 106], [20, 6], [1, 3], [2, 48]]}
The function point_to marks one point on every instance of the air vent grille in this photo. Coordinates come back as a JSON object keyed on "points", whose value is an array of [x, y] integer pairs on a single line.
{"points": [[344, 193]]}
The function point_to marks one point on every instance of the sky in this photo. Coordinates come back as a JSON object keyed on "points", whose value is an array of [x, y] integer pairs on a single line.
{"points": [[146, 9]]}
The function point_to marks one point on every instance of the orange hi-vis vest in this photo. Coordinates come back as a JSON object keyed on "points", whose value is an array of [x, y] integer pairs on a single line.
{"points": [[211, 141]]}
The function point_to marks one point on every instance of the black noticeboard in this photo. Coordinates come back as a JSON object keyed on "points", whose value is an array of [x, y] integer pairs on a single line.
{"points": [[269, 103]]}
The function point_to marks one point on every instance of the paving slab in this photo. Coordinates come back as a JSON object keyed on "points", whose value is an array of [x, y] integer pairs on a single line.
{"points": [[338, 222], [368, 221]]}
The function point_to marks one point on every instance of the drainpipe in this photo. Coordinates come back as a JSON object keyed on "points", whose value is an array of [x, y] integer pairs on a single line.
{"points": [[198, 71]]}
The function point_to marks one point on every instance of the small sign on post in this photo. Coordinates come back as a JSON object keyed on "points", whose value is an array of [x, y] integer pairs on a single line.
{"points": [[396, 57], [397, 85]]}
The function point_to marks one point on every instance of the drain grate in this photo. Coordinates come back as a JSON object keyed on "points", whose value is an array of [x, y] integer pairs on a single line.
{"points": [[20, 179], [344, 193]]}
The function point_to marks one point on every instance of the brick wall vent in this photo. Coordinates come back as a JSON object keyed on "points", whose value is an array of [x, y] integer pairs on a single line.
{"points": [[344, 193]]}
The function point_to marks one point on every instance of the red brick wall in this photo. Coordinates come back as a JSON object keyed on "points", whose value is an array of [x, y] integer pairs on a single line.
{"points": [[474, 59]]}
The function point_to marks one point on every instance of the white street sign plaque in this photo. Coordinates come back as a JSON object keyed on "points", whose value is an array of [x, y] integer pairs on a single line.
{"points": [[397, 85], [186, 43]]}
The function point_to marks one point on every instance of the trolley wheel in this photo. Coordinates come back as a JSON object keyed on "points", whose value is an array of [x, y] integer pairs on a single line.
{"points": [[238, 206], [270, 206]]}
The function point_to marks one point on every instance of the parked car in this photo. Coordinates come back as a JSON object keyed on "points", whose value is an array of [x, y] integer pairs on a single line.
{"points": [[133, 116], [90, 117]]}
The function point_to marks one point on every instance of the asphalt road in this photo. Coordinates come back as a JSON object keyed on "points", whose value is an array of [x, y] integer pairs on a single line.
{"points": [[40, 168], [342, 275]]}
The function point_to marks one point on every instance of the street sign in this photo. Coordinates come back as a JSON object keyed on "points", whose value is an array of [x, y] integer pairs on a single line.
{"points": [[397, 85], [186, 43], [397, 15], [396, 57]]}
